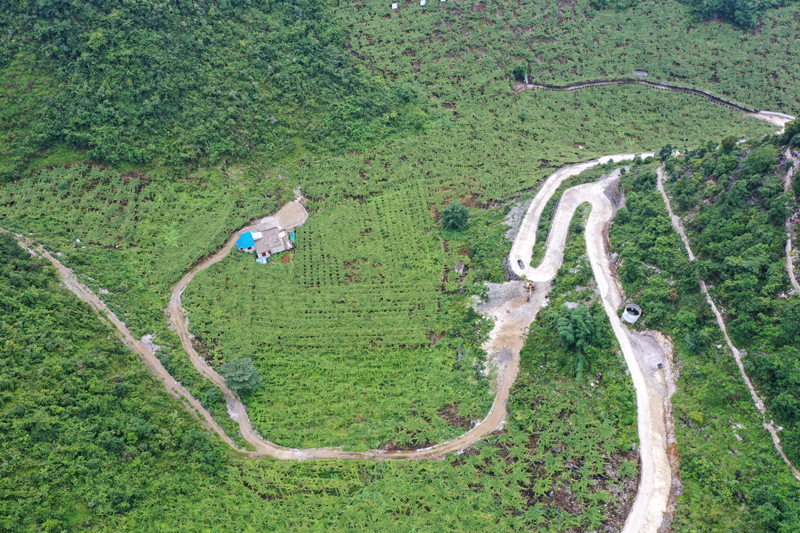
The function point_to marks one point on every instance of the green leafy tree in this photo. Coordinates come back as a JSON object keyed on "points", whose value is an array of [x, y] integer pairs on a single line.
{"points": [[665, 152], [240, 375], [761, 159], [728, 144], [455, 217], [790, 130], [579, 330]]}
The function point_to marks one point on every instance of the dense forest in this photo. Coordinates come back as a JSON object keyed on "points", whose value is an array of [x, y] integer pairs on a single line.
{"points": [[178, 82], [737, 206], [742, 13]]}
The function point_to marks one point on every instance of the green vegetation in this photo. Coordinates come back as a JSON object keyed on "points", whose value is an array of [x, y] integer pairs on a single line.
{"points": [[241, 376], [455, 217], [88, 435], [733, 480], [244, 82], [578, 329], [180, 82], [365, 338], [742, 13], [350, 337], [562, 462], [737, 231], [455, 51]]}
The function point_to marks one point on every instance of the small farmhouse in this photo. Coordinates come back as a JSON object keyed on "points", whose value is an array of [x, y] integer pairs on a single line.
{"points": [[265, 244]]}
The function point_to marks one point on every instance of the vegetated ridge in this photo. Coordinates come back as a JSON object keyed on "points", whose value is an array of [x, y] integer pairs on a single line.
{"points": [[768, 425]]}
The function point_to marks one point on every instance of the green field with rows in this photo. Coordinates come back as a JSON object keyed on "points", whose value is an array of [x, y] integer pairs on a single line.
{"points": [[346, 335], [135, 138]]}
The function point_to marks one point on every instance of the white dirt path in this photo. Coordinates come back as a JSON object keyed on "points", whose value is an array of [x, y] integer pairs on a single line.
{"points": [[787, 188], [642, 354], [769, 426]]}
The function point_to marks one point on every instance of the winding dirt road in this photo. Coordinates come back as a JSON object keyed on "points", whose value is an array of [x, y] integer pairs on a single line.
{"points": [[513, 316], [642, 353], [676, 224]]}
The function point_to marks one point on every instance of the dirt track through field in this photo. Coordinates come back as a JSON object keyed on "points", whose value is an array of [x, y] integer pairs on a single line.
{"points": [[676, 224], [642, 353]]}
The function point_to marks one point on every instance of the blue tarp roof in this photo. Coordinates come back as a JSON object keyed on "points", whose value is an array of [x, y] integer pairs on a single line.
{"points": [[245, 241]]}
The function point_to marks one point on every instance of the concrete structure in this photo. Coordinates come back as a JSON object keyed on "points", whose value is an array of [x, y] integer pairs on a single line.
{"points": [[632, 313], [265, 244], [641, 73]]}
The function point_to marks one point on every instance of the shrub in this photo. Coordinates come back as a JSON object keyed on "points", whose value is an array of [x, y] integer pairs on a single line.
{"points": [[241, 376], [455, 217]]}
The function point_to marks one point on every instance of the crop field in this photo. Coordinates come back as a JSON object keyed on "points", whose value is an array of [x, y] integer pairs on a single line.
{"points": [[455, 49], [345, 334]]}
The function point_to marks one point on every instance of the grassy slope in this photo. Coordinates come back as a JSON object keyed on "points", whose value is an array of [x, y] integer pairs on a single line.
{"points": [[558, 464], [483, 144], [356, 315], [455, 49]]}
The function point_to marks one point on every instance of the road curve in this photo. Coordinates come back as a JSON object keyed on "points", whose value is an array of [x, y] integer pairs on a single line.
{"points": [[768, 425], [650, 506], [642, 354]]}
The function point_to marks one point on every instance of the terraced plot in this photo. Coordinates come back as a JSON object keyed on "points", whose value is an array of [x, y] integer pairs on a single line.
{"points": [[346, 335]]}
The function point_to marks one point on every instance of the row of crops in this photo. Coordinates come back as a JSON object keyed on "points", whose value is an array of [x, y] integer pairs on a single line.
{"points": [[456, 48], [344, 334]]}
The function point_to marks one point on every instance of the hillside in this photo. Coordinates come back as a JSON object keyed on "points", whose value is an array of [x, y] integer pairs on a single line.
{"points": [[137, 137]]}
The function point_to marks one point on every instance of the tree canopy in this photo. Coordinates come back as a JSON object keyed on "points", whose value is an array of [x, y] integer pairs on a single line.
{"points": [[241, 375], [455, 217], [149, 81]]}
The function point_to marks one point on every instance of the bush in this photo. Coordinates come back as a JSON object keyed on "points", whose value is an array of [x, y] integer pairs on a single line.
{"points": [[241, 376], [455, 217]]}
